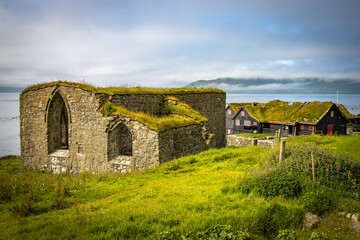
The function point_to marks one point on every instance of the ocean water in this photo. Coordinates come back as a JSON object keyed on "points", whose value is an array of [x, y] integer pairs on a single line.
{"points": [[9, 111]]}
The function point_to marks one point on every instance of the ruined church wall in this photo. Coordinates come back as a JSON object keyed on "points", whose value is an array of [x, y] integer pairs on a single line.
{"points": [[211, 106], [33, 137], [86, 129], [183, 141]]}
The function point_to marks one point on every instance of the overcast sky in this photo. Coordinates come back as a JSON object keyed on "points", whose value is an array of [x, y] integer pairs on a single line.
{"points": [[171, 43]]}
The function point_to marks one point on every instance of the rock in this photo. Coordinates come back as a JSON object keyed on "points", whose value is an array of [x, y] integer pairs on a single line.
{"points": [[348, 215], [311, 221], [342, 214], [355, 226], [355, 218]]}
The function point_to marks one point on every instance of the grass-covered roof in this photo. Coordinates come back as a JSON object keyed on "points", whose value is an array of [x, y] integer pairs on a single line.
{"points": [[125, 90], [346, 112], [237, 106], [175, 115], [288, 112]]}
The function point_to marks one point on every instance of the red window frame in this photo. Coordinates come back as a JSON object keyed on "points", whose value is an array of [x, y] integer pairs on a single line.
{"points": [[255, 123], [302, 126], [237, 122], [310, 127], [229, 111], [247, 123], [272, 125], [242, 113]]}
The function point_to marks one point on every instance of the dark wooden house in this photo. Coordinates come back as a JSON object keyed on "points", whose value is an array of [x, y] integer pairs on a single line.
{"points": [[292, 118], [245, 123]]}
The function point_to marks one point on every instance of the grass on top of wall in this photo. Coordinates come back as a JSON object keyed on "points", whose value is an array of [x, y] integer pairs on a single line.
{"points": [[124, 90], [254, 135], [175, 116]]}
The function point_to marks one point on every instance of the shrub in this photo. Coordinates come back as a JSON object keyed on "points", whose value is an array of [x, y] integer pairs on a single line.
{"points": [[61, 192], [25, 208], [222, 232], [318, 201], [276, 182], [6, 191], [172, 166], [287, 234]]}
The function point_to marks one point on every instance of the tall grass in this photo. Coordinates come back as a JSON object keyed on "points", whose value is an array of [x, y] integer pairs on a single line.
{"points": [[205, 195]]}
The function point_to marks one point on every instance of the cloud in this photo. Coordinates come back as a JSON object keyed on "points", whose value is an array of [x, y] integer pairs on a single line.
{"points": [[162, 43]]}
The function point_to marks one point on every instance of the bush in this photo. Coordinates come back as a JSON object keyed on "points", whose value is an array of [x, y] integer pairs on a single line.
{"points": [[25, 208], [287, 235], [61, 192], [276, 182], [276, 217], [6, 191], [217, 232], [318, 201]]}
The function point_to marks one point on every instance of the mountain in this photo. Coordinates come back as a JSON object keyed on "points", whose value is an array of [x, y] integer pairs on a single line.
{"points": [[290, 85]]}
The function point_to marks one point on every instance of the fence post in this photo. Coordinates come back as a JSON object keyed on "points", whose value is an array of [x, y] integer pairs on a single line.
{"points": [[313, 165], [279, 136], [282, 151]]}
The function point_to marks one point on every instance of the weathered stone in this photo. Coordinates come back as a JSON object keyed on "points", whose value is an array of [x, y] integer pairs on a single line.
{"points": [[61, 130], [237, 141], [348, 215], [310, 221], [342, 214], [355, 218], [355, 226]]}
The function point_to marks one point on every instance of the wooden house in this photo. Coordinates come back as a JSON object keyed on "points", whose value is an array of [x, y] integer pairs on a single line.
{"points": [[245, 123], [354, 121], [292, 118]]}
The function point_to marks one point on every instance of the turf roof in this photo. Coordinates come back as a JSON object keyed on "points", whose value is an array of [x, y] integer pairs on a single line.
{"points": [[125, 90], [287, 112], [346, 112]]}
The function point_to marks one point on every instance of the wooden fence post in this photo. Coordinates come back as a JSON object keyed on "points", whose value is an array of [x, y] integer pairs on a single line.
{"points": [[282, 151], [313, 165]]}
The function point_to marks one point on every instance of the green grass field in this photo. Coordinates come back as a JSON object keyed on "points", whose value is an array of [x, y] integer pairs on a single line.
{"points": [[229, 193]]}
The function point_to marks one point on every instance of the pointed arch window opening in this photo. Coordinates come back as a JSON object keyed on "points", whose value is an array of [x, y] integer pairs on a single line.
{"points": [[57, 124]]}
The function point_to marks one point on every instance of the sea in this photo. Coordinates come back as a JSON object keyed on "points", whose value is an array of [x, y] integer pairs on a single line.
{"points": [[9, 111]]}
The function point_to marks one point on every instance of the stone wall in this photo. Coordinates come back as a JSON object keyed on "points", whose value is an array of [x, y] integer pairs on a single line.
{"points": [[78, 138], [236, 141], [179, 142], [210, 105]]}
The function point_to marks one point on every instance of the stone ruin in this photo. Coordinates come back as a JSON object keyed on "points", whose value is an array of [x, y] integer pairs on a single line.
{"points": [[64, 127]]}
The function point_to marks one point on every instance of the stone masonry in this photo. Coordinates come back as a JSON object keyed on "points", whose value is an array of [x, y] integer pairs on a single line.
{"points": [[62, 130]]}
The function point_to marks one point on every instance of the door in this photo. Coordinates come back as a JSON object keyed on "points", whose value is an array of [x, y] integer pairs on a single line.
{"points": [[330, 129]]}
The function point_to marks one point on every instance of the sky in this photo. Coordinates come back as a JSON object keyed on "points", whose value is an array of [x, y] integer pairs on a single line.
{"points": [[170, 43]]}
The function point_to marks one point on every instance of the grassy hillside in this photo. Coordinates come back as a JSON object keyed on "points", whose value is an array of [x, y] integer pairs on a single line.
{"points": [[233, 193]]}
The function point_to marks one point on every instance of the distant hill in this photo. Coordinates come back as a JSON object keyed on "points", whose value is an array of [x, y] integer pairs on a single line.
{"points": [[269, 85]]}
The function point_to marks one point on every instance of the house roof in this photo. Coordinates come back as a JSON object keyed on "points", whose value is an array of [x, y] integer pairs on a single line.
{"points": [[288, 112], [346, 112], [124, 90], [237, 106]]}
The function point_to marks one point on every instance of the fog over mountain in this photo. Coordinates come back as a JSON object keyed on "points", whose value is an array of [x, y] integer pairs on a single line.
{"points": [[270, 85]]}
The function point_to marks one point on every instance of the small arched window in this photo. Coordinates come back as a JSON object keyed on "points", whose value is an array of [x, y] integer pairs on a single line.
{"points": [[119, 142]]}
